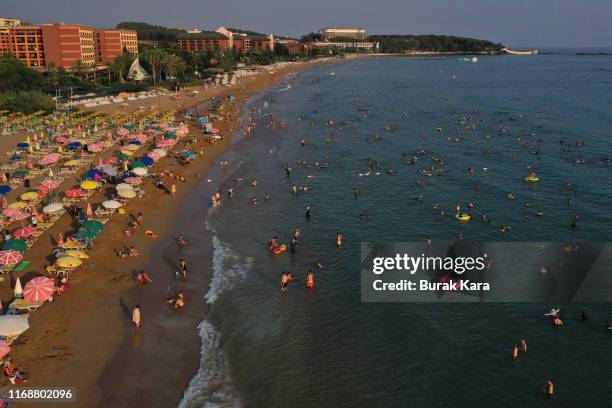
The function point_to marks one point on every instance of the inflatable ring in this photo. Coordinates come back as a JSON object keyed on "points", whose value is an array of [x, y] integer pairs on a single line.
{"points": [[150, 234]]}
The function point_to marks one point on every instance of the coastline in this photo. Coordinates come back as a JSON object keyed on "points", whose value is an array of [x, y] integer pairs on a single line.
{"points": [[85, 339]]}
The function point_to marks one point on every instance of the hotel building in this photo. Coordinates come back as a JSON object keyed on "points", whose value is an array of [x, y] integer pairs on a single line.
{"points": [[63, 45]]}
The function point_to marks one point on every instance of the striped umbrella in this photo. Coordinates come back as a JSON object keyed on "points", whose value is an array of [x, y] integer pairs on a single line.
{"points": [[38, 289], [15, 214], [74, 193], [10, 257], [50, 184], [24, 232]]}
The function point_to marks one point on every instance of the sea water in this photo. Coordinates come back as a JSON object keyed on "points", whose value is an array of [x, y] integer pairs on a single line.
{"points": [[324, 347]]}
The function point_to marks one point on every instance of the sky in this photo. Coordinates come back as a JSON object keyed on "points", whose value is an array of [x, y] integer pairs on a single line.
{"points": [[573, 23]]}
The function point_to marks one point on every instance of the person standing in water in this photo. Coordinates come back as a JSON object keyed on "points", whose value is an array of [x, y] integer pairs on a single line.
{"points": [[310, 279], [339, 239], [549, 388], [523, 345], [515, 351], [308, 212], [183, 265]]}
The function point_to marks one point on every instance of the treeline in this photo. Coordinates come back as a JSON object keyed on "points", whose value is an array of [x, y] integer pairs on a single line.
{"points": [[149, 32], [433, 43]]}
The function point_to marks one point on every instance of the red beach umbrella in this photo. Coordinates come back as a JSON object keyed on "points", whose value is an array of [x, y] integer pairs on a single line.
{"points": [[38, 289], [24, 232], [74, 193]]}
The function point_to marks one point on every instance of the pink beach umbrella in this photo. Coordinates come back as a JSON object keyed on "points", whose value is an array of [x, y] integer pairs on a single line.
{"points": [[154, 156], [94, 148], [4, 348], [74, 193], [60, 240], [49, 159], [50, 184], [163, 144], [133, 180], [24, 232], [123, 132], [10, 257], [60, 139], [38, 289], [15, 214], [42, 190]]}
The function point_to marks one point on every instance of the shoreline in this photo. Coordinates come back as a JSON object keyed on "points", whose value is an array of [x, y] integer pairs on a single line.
{"points": [[87, 336]]}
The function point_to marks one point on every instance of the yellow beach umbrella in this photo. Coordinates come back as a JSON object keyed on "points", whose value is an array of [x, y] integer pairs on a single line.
{"points": [[76, 254], [72, 163], [89, 185], [127, 152], [132, 147], [18, 205], [29, 196], [68, 262]]}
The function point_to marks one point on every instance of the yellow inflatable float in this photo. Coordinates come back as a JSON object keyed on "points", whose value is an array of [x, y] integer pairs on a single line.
{"points": [[463, 217]]}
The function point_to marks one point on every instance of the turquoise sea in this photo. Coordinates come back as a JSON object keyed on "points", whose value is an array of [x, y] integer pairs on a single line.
{"points": [[502, 117]]}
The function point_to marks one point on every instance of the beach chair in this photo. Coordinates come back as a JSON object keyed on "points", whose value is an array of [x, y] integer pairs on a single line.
{"points": [[19, 305]]}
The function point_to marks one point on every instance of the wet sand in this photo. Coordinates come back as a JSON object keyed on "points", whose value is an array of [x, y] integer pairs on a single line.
{"points": [[85, 338]]}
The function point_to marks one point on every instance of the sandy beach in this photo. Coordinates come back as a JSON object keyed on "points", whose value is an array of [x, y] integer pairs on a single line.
{"points": [[85, 339]]}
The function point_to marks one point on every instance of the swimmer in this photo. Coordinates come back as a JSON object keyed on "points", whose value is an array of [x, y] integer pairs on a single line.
{"points": [[308, 212], [515, 351], [558, 322], [523, 345], [310, 280], [553, 312], [339, 238], [549, 388], [180, 240]]}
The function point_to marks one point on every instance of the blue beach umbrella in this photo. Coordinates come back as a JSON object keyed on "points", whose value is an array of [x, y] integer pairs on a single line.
{"points": [[147, 161], [5, 189], [94, 174], [23, 145], [135, 142], [74, 145], [189, 155]]}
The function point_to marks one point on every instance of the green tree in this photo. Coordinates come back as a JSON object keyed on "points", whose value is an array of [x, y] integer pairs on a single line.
{"points": [[16, 76], [154, 58]]}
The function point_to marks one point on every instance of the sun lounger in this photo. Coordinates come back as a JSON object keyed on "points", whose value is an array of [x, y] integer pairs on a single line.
{"points": [[22, 304]]}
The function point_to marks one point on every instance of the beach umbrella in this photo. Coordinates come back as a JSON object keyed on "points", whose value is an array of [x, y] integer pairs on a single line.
{"points": [[18, 291], [50, 184], [137, 164], [68, 262], [93, 225], [132, 147], [15, 245], [94, 148], [140, 171], [24, 232], [164, 144], [86, 234], [23, 145], [123, 186], [5, 189], [74, 145], [13, 325], [189, 155], [29, 196], [94, 174], [110, 170], [147, 161], [4, 348], [111, 204], [39, 189], [15, 213], [38, 289], [10, 257], [132, 180], [122, 132], [72, 163], [60, 139], [76, 254], [53, 208], [74, 193], [19, 174], [126, 193], [89, 185], [18, 205], [49, 159], [122, 156], [160, 152], [153, 156], [170, 136]]}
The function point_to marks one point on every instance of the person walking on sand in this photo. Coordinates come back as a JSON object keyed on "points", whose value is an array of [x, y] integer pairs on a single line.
{"points": [[183, 267], [136, 316], [142, 279], [173, 190]]}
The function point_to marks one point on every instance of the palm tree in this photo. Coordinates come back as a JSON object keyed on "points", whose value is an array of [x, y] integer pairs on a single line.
{"points": [[154, 58], [79, 67]]}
